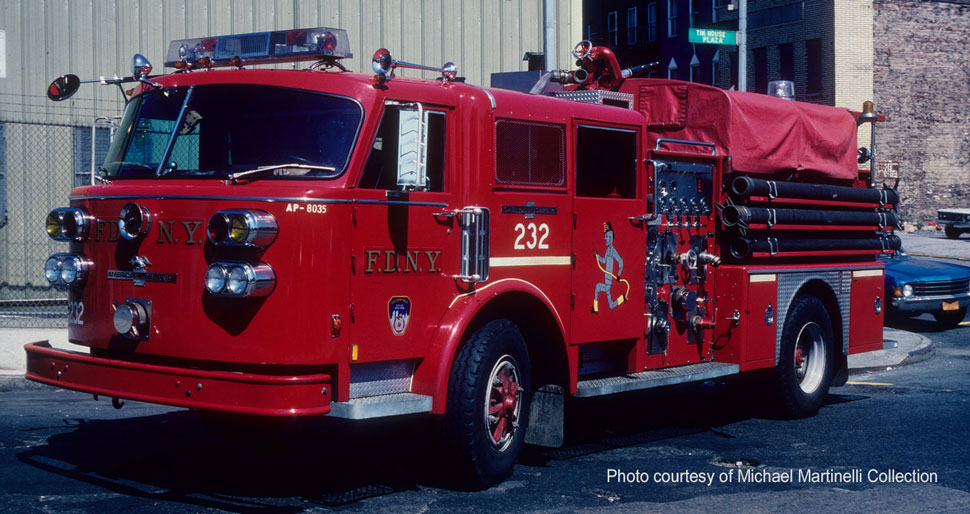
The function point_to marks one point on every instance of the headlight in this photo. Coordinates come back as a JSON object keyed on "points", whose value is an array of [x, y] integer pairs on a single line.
{"points": [[68, 224], [215, 279], [66, 269], [240, 279], [907, 290], [52, 269], [234, 227], [134, 221]]}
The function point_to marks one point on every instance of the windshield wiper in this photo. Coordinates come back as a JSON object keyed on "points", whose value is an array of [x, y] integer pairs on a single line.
{"points": [[234, 177]]}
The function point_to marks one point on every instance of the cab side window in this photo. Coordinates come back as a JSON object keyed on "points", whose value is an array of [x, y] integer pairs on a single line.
{"points": [[606, 162], [381, 169]]}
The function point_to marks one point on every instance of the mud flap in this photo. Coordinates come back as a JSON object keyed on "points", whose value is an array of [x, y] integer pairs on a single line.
{"points": [[546, 417]]}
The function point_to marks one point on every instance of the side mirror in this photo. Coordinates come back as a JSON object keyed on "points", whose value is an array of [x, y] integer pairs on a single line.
{"points": [[140, 67], [412, 147], [63, 87]]}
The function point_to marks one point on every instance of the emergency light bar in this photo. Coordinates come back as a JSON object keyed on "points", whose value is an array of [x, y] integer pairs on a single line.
{"points": [[319, 44]]}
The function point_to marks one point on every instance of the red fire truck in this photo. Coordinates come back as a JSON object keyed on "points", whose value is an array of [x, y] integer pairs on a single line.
{"points": [[290, 243]]}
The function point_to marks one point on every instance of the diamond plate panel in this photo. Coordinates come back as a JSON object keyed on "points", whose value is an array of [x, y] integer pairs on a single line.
{"points": [[655, 378], [790, 283], [380, 378], [596, 96]]}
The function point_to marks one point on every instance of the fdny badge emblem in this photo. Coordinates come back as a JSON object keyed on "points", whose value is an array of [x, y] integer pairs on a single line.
{"points": [[399, 313]]}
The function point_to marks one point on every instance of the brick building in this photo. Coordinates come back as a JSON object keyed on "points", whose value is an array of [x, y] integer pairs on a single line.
{"points": [[922, 82]]}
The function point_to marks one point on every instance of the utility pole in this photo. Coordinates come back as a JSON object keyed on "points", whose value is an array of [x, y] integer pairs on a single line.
{"points": [[743, 46]]}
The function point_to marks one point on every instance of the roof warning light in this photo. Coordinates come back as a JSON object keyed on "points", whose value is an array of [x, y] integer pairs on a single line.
{"points": [[319, 44]]}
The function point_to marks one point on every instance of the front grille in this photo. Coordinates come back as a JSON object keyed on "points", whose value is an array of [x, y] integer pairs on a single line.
{"points": [[941, 287], [951, 216]]}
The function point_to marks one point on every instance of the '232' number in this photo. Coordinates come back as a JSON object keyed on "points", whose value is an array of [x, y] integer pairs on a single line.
{"points": [[537, 236]]}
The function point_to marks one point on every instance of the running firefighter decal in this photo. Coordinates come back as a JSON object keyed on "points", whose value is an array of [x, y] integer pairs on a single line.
{"points": [[605, 263]]}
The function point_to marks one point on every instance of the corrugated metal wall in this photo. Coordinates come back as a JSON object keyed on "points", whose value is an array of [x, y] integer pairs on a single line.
{"points": [[91, 38]]}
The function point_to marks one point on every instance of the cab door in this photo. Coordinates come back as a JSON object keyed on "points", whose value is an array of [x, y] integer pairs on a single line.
{"points": [[609, 237], [404, 241]]}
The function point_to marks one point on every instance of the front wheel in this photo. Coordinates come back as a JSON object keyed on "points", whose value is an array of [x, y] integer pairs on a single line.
{"points": [[488, 403], [951, 231], [805, 365]]}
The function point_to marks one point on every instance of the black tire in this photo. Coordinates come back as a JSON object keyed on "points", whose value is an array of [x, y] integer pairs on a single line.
{"points": [[951, 231], [479, 458], [803, 376], [950, 319]]}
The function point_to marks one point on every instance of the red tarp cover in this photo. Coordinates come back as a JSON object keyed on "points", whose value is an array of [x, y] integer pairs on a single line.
{"points": [[762, 134]]}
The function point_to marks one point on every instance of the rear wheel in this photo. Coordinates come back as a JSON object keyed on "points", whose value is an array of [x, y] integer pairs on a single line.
{"points": [[950, 319], [488, 403], [805, 366], [951, 231]]}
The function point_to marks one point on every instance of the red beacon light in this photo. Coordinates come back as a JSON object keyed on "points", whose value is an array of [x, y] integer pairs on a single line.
{"points": [[282, 46]]}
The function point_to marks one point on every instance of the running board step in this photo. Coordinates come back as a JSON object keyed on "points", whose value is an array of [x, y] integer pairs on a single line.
{"points": [[381, 406], [655, 378]]}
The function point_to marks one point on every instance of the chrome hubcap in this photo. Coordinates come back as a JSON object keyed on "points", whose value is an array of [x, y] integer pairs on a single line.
{"points": [[502, 408], [809, 358]]}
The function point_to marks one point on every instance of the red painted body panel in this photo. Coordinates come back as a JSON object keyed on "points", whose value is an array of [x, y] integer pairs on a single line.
{"points": [[361, 253], [865, 328], [245, 393]]}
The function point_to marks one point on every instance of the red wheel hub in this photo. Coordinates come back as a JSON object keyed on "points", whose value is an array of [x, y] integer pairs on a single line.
{"points": [[503, 404]]}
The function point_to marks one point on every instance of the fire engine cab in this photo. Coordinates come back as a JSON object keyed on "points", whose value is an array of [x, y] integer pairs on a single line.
{"points": [[317, 242]]}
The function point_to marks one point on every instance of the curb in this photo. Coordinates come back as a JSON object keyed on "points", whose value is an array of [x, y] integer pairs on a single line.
{"points": [[921, 353], [940, 256]]}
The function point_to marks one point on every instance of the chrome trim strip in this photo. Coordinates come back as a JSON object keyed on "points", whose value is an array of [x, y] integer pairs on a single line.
{"points": [[487, 92], [808, 270], [258, 199], [933, 298]]}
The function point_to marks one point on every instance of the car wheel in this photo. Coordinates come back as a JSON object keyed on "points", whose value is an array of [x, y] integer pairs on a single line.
{"points": [[951, 231], [805, 365], [487, 411], [950, 319]]}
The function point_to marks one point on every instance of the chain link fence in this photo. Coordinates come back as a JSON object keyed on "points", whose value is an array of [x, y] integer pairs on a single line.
{"points": [[39, 165]]}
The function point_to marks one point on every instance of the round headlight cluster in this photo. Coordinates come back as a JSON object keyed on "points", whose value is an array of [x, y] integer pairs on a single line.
{"points": [[237, 227], [907, 290], [134, 221], [68, 224], [66, 269], [240, 279]]}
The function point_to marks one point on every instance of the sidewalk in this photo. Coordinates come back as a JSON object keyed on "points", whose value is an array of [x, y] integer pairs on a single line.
{"points": [[906, 348], [935, 244]]}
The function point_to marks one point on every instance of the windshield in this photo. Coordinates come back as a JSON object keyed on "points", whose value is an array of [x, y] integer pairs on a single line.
{"points": [[230, 128]]}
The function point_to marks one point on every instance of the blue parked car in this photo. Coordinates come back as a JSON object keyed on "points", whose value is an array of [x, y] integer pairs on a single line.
{"points": [[916, 286]]}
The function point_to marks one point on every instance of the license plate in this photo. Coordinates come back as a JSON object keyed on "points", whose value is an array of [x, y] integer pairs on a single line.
{"points": [[951, 306]]}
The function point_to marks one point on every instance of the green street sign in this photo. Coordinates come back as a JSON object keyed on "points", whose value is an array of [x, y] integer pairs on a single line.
{"points": [[713, 37]]}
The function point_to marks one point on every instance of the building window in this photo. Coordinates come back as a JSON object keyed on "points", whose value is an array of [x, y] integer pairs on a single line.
{"points": [[695, 13], [761, 70], [611, 28], [786, 56], [672, 18], [672, 69], [813, 65], [716, 69], [631, 26], [695, 69], [652, 22]]}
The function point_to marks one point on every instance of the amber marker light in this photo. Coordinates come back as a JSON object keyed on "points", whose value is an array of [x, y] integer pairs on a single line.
{"points": [[239, 227]]}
